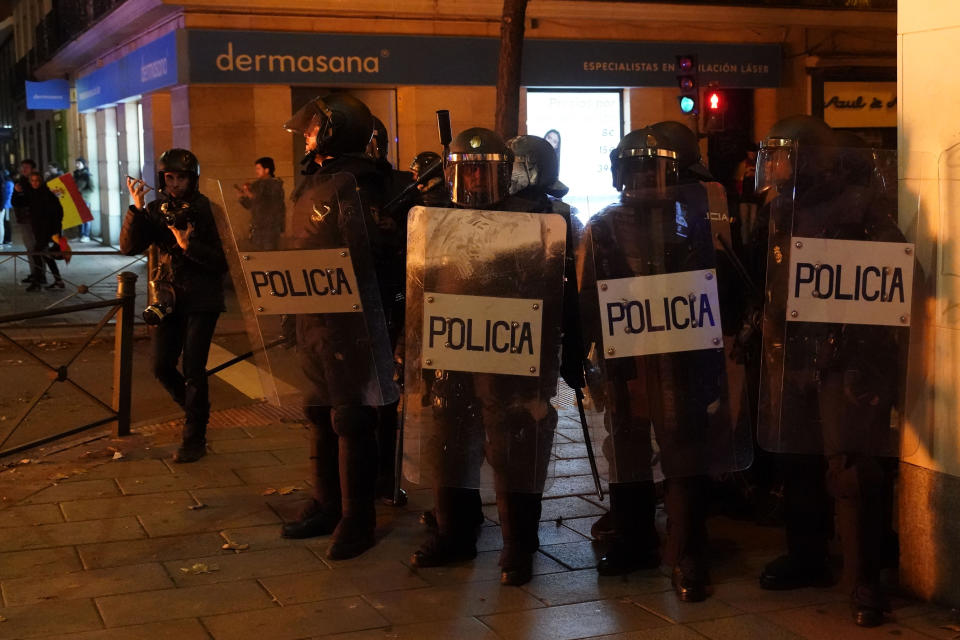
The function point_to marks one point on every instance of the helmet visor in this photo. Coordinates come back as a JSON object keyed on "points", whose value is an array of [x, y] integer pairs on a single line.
{"points": [[646, 174], [312, 120], [478, 183], [775, 164]]}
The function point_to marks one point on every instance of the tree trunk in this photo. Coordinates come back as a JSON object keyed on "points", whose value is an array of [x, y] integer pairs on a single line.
{"points": [[508, 71]]}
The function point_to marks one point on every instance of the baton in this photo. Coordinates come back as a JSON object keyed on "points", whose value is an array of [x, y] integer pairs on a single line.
{"points": [[586, 441], [398, 453], [244, 356]]}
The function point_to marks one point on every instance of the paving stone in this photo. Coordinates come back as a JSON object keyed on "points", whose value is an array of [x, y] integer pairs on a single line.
{"points": [[226, 433], [120, 506], [112, 554], [572, 621], [184, 480], [49, 618], [572, 467], [67, 533], [260, 444], [460, 629], [39, 563], [573, 507], [278, 430], [484, 567], [30, 514], [266, 536], [335, 583], [129, 469], [833, 620], [226, 508], [570, 486], [569, 450], [85, 584], [286, 474], [659, 633], [747, 595], [238, 460], [581, 525], [298, 621], [296, 455], [576, 555], [75, 491], [550, 534], [179, 629], [666, 605], [748, 627], [185, 602], [455, 601], [937, 623], [490, 539], [586, 585], [229, 566]]}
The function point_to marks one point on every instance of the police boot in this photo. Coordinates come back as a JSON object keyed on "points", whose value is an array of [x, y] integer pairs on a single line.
{"points": [[519, 522], [358, 479], [387, 456], [807, 517], [633, 543], [856, 482], [321, 515], [685, 501], [458, 526]]}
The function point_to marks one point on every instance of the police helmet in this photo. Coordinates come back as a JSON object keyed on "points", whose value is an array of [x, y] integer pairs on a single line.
{"points": [[333, 125], [644, 161], [535, 165], [798, 150], [422, 161], [178, 161], [478, 168]]}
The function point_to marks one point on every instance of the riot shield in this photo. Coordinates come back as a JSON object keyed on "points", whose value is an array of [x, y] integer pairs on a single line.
{"points": [[319, 291], [659, 402], [484, 307], [836, 326]]}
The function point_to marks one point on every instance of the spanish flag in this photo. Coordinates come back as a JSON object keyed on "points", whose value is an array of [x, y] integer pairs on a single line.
{"points": [[75, 210]]}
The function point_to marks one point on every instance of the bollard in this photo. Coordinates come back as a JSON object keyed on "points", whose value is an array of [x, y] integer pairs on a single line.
{"points": [[123, 352]]}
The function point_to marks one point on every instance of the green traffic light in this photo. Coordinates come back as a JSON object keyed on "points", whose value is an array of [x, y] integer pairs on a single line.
{"points": [[687, 104]]}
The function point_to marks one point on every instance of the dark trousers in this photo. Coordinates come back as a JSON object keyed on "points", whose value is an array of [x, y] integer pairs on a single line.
{"points": [[37, 262], [861, 494], [343, 456], [189, 335]]}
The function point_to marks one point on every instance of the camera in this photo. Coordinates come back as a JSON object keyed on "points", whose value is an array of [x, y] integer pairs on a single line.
{"points": [[162, 299], [176, 214]]}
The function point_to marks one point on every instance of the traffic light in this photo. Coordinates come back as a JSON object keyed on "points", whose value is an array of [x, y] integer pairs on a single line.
{"points": [[687, 80], [716, 103]]}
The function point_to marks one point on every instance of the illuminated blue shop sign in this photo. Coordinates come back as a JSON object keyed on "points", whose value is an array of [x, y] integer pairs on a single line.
{"points": [[152, 66], [51, 94]]}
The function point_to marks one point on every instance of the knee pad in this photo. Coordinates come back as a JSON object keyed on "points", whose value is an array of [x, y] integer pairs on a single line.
{"points": [[354, 421]]}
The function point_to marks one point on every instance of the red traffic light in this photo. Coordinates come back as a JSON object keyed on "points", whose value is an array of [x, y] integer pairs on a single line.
{"points": [[713, 101], [685, 63]]}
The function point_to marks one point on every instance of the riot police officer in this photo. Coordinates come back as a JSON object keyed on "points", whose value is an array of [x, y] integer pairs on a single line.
{"points": [[433, 192], [832, 387], [507, 419], [658, 228], [341, 355]]}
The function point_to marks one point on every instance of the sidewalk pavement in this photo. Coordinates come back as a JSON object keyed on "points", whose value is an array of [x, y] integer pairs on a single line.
{"points": [[97, 548]]}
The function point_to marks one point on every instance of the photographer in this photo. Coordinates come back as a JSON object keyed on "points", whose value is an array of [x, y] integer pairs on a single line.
{"points": [[186, 285]]}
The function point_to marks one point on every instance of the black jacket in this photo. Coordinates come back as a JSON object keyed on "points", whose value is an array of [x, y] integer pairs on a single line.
{"points": [[46, 214], [197, 273]]}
